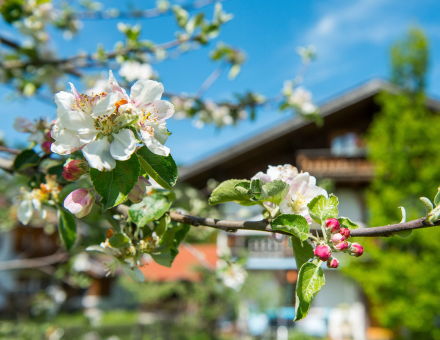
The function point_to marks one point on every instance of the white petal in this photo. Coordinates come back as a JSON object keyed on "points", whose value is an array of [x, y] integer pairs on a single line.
{"points": [[314, 191], [115, 86], [123, 145], [64, 101], [80, 124], [97, 154], [143, 92], [24, 211], [155, 146], [105, 106], [65, 141], [160, 109], [39, 207], [37, 137]]}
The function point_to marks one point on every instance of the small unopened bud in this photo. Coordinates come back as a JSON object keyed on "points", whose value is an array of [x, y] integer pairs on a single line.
{"points": [[74, 169], [333, 263], [45, 146], [337, 238], [341, 246], [79, 202], [332, 224], [323, 252], [345, 232], [356, 249], [139, 190]]}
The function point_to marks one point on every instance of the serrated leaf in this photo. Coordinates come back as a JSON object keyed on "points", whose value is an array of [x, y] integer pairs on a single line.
{"points": [[347, 223], [293, 224], [114, 186], [321, 208], [162, 169], [119, 240], [244, 188], [310, 281], [437, 198], [302, 251], [274, 191], [66, 228], [226, 192], [25, 159], [151, 208]]}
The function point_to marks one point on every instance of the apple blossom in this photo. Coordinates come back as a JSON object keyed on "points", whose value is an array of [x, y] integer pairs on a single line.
{"points": [[74, 169], [333, 263], [139, 191], [337, 238], [302, 190], [232, 275], [356, 249], [79, 202], [323, 251], [144, 102], [285, 173], [90, 123], [345, 232], [332, 224], [30, 201], [134, 70], [342, 246]]}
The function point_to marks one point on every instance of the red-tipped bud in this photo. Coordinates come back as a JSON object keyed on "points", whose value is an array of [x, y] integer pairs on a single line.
{"points": [[337, 238], [74, 169], [333, 263], [345, 232], [323, 252], [332, 224], [79, 202], [356, 249], [45, 146], [341, 246]]}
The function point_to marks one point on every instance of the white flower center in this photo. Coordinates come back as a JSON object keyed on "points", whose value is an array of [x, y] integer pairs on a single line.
{"points": [[297, 202]]}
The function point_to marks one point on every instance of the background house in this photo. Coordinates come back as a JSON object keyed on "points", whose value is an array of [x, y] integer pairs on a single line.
{"points": [[336, 155]]}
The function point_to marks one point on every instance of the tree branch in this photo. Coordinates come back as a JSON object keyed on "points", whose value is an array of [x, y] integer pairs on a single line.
{"points": [[264, 225], [33, 263]]}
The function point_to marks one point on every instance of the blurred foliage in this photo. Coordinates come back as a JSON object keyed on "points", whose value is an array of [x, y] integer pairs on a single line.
{"points": [[400, 276]]}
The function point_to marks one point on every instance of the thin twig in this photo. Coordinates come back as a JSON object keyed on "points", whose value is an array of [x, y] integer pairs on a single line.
{"points": [[33, 263], [210, 80]]}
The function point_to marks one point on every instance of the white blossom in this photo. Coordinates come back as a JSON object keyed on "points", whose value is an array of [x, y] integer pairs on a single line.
{"points": [[232, 275], [31, 201], [134, 70]]}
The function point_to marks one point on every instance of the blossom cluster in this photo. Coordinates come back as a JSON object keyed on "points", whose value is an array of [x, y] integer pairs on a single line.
{"points": [[39, 132], [302, 189], [339, 242], [299, 99], [106, 126]]}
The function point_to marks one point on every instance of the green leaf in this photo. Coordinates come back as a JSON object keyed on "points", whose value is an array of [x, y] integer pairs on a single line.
{"points": [[25, 159], [302, 251], [310, 281], [274, 191], [114, 186], [151, 208], [428, 204], [162, 169], [244, 188], [226, 192], [66, 228], [347, 223], [119, 240], [293, 224], [162, 226], [322, 208], [437, 197], [169, 244]]}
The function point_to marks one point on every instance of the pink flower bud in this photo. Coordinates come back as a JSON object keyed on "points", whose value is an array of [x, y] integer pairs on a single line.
{"points": [[341, 246], [356, 249], [323, 252], [337, 238], [45, 146], [332, 263], [74, 169], [332, 224], [139, 191], [79, 202], [345, 232]]}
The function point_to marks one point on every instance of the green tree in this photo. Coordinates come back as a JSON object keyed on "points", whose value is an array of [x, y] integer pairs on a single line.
{"points": [[400, 276]]}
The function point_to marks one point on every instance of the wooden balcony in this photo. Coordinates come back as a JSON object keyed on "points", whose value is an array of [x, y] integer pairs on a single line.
{"points": [[348, 167]]}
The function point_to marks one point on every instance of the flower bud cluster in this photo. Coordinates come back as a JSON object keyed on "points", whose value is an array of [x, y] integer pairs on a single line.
{"points": [[338, 237], [74, 168]]}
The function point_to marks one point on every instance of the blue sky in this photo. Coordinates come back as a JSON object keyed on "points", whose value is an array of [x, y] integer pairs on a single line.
{"points": [[352, 39]]}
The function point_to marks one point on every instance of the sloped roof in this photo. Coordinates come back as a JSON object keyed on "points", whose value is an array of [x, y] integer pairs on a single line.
{"points": [[346, 99]]}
